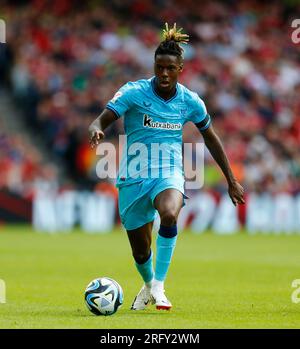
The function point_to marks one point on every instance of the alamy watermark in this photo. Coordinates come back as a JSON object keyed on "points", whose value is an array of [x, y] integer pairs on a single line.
{"points": [[153, 160], [2, 291], [296, 292], [296, 32], [2, 31]]}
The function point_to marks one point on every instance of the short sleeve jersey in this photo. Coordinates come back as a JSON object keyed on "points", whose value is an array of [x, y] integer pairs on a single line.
{"points": [[153, 129]]}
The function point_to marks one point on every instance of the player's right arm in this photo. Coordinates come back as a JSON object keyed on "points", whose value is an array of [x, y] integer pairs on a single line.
{"points": [[97, 127], [115, 108]]}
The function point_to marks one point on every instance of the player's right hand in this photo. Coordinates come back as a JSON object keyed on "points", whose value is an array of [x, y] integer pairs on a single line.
{"points": [[95, 137]]}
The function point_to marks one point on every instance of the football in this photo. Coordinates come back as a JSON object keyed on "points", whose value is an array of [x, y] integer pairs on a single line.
{"points": [[103, 296]]}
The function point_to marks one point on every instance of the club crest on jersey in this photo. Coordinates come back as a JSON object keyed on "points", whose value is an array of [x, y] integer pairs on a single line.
{"points": [[116, 96], [148, 122]]}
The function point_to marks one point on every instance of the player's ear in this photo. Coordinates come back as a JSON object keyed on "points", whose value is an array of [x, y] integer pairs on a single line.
{"points": [[180, 68]]}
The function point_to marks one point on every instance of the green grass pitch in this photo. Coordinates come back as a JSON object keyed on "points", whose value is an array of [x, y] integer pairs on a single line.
{"points": [[237, 281]]}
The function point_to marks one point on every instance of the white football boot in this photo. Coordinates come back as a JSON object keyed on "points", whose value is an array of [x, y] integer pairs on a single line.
{"points": [[142, 299], [159, 298]]}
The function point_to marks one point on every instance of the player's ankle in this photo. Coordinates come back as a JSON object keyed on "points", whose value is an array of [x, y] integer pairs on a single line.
{"points": [[157, 284], [149, 284]]}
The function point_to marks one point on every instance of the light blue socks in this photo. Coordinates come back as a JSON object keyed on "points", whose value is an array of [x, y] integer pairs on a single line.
{"points": [[165, 245], [146, 270]]}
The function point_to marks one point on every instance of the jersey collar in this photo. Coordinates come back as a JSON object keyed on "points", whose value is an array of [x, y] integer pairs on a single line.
{"points": [[158, 96]]}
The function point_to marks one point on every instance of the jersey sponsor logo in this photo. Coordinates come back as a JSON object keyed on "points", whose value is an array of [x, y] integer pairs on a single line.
{"points": [[116, 96], [148, 122]]}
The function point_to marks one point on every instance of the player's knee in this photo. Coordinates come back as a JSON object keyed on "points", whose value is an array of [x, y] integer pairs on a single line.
{"points": [[141, 257], [168, 218]]}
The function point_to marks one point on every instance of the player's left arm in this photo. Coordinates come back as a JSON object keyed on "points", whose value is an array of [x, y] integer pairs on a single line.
{"points": [[215, 147]]}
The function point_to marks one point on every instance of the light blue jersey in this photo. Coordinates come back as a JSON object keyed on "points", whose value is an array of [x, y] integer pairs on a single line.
{"points": [[153, 127]]}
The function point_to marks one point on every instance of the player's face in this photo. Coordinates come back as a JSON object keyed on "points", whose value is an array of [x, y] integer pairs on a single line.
{"points": [[166, 69]]}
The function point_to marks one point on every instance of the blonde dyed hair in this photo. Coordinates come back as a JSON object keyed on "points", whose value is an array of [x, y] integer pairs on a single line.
{"points": [[174, 34], [172, 38]]}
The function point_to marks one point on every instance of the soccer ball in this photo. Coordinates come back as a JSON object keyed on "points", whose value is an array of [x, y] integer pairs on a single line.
{"points": [[103, 296]]}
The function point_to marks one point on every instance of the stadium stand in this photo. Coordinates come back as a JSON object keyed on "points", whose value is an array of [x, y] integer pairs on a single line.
{"points": [[66, 59]]}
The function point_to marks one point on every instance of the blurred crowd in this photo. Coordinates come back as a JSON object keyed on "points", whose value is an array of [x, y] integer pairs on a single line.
{"points": [[67, 58], [22, 165]]}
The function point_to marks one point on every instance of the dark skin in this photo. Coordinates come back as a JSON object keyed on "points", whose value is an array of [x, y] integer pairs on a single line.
{"points": [[168, 203]]}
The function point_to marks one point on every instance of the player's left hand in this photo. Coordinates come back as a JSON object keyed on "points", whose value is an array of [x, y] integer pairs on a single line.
{"points": [[236, 193]]}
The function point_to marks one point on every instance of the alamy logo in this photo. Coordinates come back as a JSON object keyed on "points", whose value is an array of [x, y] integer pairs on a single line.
{"points": [[2, 291], [296, 32], [2, 32], [155, 160], [296, 292], [148, 122]]}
